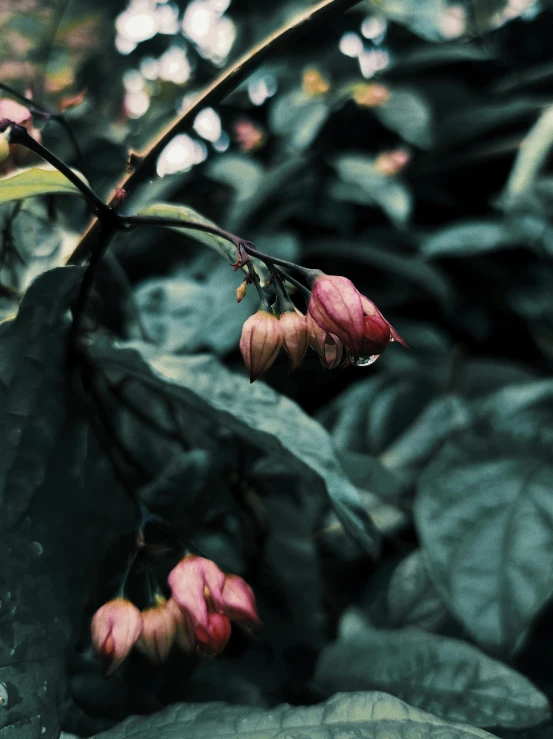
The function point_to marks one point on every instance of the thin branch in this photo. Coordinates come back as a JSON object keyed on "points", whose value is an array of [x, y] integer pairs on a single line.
{"points": [[210, 97], [29, 102], [135, 221], [19, 135]]}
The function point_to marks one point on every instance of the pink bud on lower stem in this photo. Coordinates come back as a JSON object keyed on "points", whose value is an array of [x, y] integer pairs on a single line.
{"points": [[260, 342], [295, 337], [116, 627], [158, 631]]}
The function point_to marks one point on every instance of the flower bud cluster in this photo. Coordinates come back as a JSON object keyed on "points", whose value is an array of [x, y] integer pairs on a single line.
{"points": [[197, 617], [341, 326]]}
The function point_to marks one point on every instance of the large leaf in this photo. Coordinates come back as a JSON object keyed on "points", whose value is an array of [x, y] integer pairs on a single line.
{"points": [[455, 680], [484, 513], [257, 412], [412, 597], [181, 313], [55, 489], [29, 183], [363, 715]]}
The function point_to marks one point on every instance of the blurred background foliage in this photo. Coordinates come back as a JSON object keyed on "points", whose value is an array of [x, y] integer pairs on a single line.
{"points": [[407, 146]]}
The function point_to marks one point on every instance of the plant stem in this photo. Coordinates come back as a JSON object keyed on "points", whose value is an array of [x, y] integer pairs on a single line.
{"points": [[135, 221], [268, 259], [210, 97], [19, 135]]}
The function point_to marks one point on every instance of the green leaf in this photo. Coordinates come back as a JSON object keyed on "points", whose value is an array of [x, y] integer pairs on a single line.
{"points": [[35, 181], [484, 513], [360, 182], [407, 113], [412, 597], [298, 117], [255, 411], [456, 680], [423, 17], [364, 715], [466, 239], [55, 489], [431, 428], [187, 215], [185, 314]]}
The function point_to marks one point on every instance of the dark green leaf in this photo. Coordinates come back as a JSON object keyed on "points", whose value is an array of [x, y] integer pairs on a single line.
{"points": [[255, 411], [455, 680], [363, 715], [485, 518], [412, 597]]}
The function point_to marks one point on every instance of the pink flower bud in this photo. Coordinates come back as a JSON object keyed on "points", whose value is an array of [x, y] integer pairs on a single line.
{"points": [[185, 636], [195, 582], [213, 638], [260, 342], [295, 337], [248, 135], [327, 346], [336, 307], [239, 601], [159, 631], [116, 627], [378, 332]]}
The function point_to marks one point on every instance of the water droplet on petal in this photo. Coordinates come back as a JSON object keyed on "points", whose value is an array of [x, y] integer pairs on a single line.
{"points": [[391, 339], [363, 361]]}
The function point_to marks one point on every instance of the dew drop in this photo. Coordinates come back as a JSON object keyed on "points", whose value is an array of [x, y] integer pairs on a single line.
{"points": [[37, 548], [3, 695], [363, 361]]}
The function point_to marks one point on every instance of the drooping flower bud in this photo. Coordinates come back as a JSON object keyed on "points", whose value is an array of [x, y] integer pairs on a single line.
{"points": [[377, 329], [116, 627], [336, 307], [185, 627], [295, 337], [213, 638], [327, 346], [159, 631], [239, 601], [260, 342], [194, 581]]}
